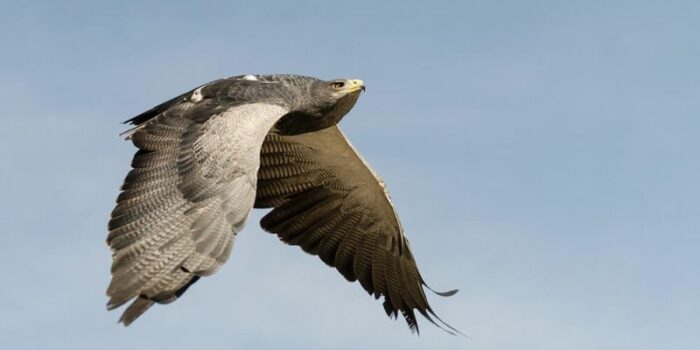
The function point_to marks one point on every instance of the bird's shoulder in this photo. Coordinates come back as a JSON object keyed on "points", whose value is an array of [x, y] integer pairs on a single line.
{"points": [[217, 96]]}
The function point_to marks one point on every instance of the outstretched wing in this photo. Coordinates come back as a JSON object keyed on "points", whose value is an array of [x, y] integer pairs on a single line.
{"points": [[190, 190], [329, 202]]}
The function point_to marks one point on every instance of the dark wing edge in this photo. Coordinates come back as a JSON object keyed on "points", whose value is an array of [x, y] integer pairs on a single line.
{"points": [[328, 201]]}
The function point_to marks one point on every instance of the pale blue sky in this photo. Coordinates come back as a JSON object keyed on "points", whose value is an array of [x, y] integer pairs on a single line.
{"points": [[543, 156]]}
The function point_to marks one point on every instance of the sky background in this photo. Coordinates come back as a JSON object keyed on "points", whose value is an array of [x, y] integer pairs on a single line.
{"points": [[543, 156]]}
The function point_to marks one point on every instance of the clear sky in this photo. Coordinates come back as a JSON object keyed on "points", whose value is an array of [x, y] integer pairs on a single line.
{"points": [[543, 156]]}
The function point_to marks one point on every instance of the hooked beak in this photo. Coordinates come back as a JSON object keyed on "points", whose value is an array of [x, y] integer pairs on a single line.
{"points": [[355, 84]]}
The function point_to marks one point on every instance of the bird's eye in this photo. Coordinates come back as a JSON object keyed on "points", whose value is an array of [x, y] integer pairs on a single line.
{"points": [[338, 84]]}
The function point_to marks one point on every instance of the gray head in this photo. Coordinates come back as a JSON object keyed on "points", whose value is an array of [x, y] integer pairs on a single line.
{"points": [[327, 103]]}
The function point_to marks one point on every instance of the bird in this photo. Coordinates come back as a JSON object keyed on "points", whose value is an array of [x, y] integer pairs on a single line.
{"points": [[207, 157]]}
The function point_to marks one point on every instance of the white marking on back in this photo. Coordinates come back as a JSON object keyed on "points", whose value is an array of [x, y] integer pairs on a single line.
{"points": [[249, 77], [197, 95]]}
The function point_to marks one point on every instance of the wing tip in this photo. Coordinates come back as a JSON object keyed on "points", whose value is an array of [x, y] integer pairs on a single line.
{"points": [[136, 309], [448, 293], [444, 326]]}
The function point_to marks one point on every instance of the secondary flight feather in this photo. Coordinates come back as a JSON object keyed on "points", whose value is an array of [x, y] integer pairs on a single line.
{"points": [[207, 157]]}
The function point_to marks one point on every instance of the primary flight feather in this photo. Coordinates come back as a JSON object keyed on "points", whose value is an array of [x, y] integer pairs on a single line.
{"points": [[208, 156]]}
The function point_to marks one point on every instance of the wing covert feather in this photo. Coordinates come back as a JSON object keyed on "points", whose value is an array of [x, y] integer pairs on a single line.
{"points": [[190, 190]]}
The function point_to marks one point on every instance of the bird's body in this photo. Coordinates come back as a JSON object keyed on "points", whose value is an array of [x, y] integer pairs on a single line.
{"points": [[208, 156]]}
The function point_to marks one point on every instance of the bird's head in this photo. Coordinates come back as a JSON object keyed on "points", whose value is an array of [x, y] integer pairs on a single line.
{"points": [[325, 105]]}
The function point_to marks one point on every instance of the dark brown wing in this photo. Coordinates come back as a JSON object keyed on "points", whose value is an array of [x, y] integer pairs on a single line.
{"points": [[329, 202]]}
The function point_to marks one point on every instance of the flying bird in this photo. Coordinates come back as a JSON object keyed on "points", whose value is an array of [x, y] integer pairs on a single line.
{"points": [[207, 157]]}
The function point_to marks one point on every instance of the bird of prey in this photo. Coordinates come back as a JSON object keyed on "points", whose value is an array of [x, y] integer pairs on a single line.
{"points": [[207, 157]]}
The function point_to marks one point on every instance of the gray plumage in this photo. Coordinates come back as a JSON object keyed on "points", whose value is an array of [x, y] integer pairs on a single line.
{"points": [[209, 155]]}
